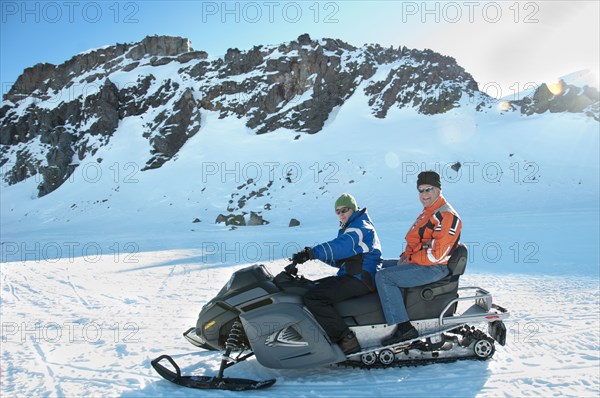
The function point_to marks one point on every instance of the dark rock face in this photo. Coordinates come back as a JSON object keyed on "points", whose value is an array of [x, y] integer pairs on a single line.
{"points": [[102, 110], [239, 220], [32, 79], [61, 132], [159, 46], [256, 219], [182, 123], [55, 116], [231, 219], [69, 129], [429, 82], [42, 77], [562, 97]]}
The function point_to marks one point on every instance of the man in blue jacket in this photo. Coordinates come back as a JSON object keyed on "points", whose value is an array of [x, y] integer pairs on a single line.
{"points": [[357, 253]]}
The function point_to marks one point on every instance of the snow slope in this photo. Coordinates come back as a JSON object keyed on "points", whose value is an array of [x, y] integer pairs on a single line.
{"points": [[103, 275]]}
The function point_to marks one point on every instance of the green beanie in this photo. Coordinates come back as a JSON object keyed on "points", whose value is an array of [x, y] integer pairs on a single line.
{"points": [[346, 200]]}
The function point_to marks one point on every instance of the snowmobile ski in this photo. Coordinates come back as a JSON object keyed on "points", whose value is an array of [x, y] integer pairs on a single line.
{"points": [[206, 382]]}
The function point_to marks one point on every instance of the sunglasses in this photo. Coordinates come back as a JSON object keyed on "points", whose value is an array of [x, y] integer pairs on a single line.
{"points": [[343, 210], [428, 189]]}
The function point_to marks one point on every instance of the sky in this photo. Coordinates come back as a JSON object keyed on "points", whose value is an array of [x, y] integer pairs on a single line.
{"points": [[507, 46]]}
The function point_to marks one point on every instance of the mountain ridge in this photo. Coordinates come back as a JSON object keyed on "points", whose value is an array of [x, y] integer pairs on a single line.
{"points": [[54, 117]]}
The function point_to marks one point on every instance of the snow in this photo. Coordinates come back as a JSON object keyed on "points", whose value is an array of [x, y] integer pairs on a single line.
{"points": [[91, 50], [104, 274], [91, 328], [582, 78]]}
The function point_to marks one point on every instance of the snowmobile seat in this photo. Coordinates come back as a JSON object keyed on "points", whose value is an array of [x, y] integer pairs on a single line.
{"points": [[428, 301], [458, 260], [363, 310], [422, 302]]}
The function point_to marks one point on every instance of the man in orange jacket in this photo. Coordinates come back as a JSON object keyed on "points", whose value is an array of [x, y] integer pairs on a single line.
{"points": [[429, 243]]}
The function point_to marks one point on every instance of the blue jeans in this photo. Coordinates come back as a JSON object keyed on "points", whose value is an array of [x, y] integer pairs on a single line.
{"points": [[392, 277]]}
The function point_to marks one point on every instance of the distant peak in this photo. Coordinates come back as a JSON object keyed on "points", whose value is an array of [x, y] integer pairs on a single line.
{"points": [[581, 78]]}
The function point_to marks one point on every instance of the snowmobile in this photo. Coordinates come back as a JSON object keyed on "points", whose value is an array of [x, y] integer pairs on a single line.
{"points": [[258, 314]]}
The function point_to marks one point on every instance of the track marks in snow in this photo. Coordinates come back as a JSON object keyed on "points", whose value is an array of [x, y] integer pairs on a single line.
{"points": [[9, 287], [52, 384], [76, 290]]}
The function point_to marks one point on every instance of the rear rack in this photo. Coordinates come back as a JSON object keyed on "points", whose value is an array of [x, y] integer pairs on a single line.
{"points": [[483, 310]]}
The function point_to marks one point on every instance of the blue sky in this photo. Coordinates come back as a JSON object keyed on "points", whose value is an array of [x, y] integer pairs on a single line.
{"points": [[505, 45]]}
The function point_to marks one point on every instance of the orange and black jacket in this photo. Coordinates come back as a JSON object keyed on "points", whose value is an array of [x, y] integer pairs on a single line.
{"points": [[434, 236]]}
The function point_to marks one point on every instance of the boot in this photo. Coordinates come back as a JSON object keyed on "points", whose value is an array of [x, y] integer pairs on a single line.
{"points": [[349, 343], [404, 331]]}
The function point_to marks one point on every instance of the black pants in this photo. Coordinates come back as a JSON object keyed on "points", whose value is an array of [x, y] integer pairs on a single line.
{"points": [[328, 291]]}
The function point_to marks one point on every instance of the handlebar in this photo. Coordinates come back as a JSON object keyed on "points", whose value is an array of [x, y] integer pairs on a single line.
{"points": [[291, 269]]}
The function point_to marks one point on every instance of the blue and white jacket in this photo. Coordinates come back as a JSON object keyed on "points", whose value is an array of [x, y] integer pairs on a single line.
{"points": [[357, 236]]}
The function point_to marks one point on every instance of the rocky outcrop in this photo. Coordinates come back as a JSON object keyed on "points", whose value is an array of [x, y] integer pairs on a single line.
{"points": [[159, 46], [429, 82], [70, 127], [101, 111], [231, 219], [181, 123], [61, 132], [562, 97], [298, 85], [32, 79], [42, 78], [256, 219], [239, 220]]}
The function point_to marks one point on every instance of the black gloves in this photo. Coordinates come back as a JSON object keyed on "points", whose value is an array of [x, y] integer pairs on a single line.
{"points": [[302, 256], [291, 269], [298, 258]]}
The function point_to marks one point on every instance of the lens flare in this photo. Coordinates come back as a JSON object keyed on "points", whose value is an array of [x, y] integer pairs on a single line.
{"points": [[456, 129], [504, 106], [392, 160], [556, 88]]}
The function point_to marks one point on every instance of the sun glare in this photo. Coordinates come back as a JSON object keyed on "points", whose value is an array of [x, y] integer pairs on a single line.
{"points": [[556, 88], [503, 106]]}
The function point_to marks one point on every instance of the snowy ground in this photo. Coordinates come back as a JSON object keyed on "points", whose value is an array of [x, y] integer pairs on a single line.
{"points": [[90, 328]]}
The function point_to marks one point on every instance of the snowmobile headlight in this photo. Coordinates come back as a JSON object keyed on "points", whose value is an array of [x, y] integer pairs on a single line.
{"points": [[209, 325]]}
